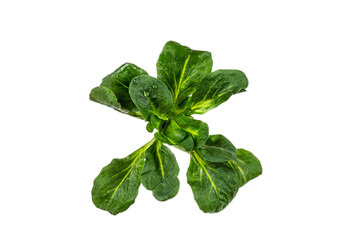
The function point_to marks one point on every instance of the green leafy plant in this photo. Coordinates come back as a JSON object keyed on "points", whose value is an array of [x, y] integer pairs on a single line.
{"points": [[185, 85]]}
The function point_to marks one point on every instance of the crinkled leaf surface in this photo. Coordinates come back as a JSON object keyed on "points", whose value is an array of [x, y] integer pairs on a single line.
{"points": [[217, 149], [151, 97], [182, 68], [216, 88], [117, 185], [247, 166], [160, 172], [214, 184]]}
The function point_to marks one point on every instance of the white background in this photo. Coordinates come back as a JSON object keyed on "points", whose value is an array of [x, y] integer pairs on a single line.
{"points": [[299, 116]]}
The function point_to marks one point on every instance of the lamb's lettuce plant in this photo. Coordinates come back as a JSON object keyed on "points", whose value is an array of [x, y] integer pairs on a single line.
{"points": [[185, 85]]}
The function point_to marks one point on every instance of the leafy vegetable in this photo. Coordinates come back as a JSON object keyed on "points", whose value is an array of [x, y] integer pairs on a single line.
{"points": [[160, 172], [184, 86]]}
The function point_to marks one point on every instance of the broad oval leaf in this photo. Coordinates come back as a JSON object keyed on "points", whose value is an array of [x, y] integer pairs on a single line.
{"points": [[217, 149], [160, 172], [118, 82], [216, 88], [182, 68], [214, 184], [117, 185], [247, 166], [151, 97]]}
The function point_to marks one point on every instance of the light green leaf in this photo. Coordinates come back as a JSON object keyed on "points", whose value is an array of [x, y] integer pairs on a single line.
{"points": [[217, 149], [151, 97], [182, 68], [160, 172], [247, 166], [117, 185], [214, 184], [217, 88]]}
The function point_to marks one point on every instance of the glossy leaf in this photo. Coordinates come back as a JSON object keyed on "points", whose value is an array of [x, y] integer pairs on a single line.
{"points": [[106, 97], [182, 68], [187, 144], [217, 88], [114, 90], [160, 172], [118, 82], [151, 97], [198, 130], [247, 166], [117, 185], [217, 149], [214, 184]]}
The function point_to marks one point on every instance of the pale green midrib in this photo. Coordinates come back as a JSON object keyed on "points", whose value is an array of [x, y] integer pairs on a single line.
{"points": [[204, 100], [198, 158], [158, 145], [242, 174], [121, 83], [189, 77], [181, 78], [236, 165], [139, 152]]}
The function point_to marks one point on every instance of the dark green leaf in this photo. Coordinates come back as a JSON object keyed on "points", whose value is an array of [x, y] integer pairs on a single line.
{"points": [[217, 149], [247, 166], [151, 97], [118, 82], [160, 172], [183, 107], [214, 184], [105, 96], [182, 68], [186, 144], [216, 88], [117, 185], [157, 122], [197, 129]]}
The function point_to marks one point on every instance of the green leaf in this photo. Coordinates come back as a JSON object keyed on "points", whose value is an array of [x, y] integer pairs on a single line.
{"points": [[182, 68], [247, 166], [106, 97], [198, 130], [160, 172], [151, 97], [217, 88], [217, 149], [149, 127], [214, 184], [118, 82], [117, 185]]}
